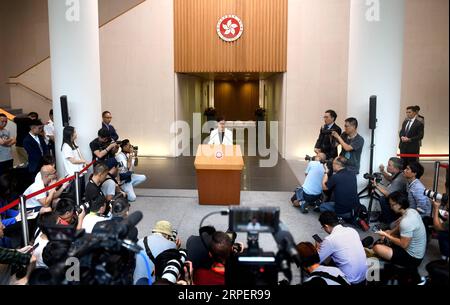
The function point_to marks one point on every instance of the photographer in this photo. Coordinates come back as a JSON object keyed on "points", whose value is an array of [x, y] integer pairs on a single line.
{"points": [[102, 147], [98, 208], [318, 275], [326, 143], [111, 185], [125, 159], [66, 215], [220, 249], [397, 183], [93, 188], [408, 239], [172, 268], [416, 197], [343, 185], [161, 239], [311, 190], [352, 144], [344, 247]]}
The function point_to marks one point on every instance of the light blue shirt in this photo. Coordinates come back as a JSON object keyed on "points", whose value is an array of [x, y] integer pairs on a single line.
{"points": [[313, 181], [345, 248], [417, 199]]}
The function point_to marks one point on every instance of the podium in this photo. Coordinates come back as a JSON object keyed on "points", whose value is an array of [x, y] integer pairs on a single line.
{"points": [[218, 169]]}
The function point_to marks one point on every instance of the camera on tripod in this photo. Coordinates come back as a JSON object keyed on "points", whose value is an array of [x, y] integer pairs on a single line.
{"points": [[443, 198], [378, 177]]}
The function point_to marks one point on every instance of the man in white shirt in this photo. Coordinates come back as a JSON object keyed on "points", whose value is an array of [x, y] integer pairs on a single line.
{"points": [[47, 177], [344, 247], [126, 170], [221, 135]]}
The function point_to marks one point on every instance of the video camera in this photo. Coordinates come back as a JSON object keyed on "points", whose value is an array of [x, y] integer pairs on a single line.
{"points": [[254, 266], [105, 256], [443, 198], [378, 177]]}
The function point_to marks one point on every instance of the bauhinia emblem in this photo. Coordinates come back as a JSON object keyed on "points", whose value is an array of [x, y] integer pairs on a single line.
{"points": [[230, 28]]}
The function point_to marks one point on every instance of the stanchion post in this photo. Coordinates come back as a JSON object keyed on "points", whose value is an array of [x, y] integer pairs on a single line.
{"points": [[23, 214], [437, 166], [77, 188]]}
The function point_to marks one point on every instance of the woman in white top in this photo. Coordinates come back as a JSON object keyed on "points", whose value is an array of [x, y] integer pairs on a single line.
{"points": [[73, 160]]}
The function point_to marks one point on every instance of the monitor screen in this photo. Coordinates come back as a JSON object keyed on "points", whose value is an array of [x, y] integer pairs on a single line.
{"points": [[258, 220]]}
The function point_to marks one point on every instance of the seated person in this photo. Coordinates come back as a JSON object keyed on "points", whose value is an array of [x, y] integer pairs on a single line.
{"points": [[408, 239], [94, 186], [125, 159], [66, 214], [318, 275], [254, 225], [220, 249], [41, 239], [344, 247], [416, 197], [311, 190], [111, 185], [119, 209], [48, 177], [396, 183], [98, 213], [344, 189], [153, 245]]}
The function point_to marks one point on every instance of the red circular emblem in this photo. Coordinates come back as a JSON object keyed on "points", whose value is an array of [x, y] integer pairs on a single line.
{"points": [[230, 28], [219, 154]]}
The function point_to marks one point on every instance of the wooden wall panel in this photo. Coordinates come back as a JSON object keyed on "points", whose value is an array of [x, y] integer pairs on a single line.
{"points": [[261, 48], [236, 100]]}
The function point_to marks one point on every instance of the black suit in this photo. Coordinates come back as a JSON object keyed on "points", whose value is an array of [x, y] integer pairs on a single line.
{"points": [[35, 154], [415, 134], [327, 143]]}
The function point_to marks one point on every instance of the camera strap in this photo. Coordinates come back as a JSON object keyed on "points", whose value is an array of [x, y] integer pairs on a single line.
{"points": [[339, 279], [148, 251]]}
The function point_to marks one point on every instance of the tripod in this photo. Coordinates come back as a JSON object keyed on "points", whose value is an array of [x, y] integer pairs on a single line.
{"points": [[370, 188]]}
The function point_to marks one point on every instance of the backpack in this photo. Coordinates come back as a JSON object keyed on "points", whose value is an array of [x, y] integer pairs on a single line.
{"points": [[361, 217]]}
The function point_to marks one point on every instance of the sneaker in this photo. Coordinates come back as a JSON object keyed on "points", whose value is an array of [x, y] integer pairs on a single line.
{"points": [[303, 207], [317, 208]]}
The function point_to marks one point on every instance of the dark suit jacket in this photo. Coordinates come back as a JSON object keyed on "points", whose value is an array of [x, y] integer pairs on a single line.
{"points": [[415, 133], [111, 130], [326, 142], [35, 156]]}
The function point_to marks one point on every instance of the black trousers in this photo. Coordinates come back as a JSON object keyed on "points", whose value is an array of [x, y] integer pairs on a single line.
{"points": [[6, 166]]}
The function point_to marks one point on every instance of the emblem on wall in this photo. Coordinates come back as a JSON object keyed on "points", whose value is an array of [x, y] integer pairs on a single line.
{"points": [[230, 28]]}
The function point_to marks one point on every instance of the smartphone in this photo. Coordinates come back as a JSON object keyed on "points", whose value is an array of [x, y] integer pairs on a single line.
{"points": [[317, 238]]}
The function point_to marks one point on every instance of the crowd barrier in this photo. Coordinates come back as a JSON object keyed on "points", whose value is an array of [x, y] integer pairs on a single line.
{"points": [[23, 199]]}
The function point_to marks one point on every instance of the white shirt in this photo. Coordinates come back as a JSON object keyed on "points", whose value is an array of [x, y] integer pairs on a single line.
{"points": [[122, 159], [49, 130], [333, 271], [90, 220], [36, 186], [214, 138], [345, 248], [67, 153], [410, 123], [36, 138], [109, 187], [38, 251]]}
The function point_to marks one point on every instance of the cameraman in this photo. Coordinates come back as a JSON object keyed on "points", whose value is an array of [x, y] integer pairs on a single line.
{"points": [[344, 190], [102, 147], [326, 143], [111, 185], [311, 190], [352, 144], [397, 183], [125, 159], [160, 240]]}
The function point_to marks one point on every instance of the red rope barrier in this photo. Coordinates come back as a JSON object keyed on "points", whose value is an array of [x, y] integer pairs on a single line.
{"points": [[70, 178], [421, 155], [443, 165]]}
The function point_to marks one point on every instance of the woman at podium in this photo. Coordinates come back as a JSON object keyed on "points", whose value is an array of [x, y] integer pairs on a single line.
{"points": [[221, 135]]}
